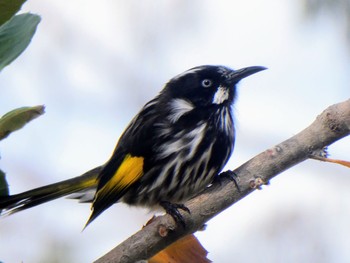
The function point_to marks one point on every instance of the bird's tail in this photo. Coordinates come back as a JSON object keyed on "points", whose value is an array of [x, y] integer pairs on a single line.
{"points": [[18, 202]]}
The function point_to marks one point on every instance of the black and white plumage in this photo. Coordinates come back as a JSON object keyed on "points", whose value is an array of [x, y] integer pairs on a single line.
{"points": [[171, 150], [187, 136]]}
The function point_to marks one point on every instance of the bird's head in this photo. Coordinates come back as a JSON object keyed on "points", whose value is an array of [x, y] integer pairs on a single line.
{"points": [[207, 85]]}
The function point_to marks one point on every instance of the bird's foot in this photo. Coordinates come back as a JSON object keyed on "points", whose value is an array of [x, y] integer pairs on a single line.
{"points": [[173, 210], [231, 175]]}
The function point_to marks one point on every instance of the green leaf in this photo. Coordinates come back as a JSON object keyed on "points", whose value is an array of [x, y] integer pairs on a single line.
{"points": [[8, 8], [15, 36], [4, 188], [17, 118]]}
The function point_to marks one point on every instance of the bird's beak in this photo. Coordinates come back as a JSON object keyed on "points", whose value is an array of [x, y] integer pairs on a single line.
{"points": [[242, 73]]}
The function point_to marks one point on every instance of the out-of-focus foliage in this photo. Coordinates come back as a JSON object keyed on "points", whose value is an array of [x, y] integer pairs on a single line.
{"points": [[11, 122], [4, 190], [338, 9], [16, 33], [8, 8], [17, 118], [15, 36], [341, 162], [186, 250]]}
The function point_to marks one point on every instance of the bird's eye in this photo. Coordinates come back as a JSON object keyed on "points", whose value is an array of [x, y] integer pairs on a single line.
{"points": [[206, 83]]}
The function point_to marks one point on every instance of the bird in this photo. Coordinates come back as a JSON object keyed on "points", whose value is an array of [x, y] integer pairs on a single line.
{"points": [[171, 151]]}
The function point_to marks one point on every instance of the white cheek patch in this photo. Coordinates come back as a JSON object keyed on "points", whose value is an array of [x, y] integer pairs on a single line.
{"points": [[179, 107], [220, 95]]}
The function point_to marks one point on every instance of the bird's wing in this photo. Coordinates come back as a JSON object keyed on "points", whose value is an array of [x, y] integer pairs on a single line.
{"points": [[125, 167]]}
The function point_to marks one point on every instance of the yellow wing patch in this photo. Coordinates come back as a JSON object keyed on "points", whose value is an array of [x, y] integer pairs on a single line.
{"points": [[130, 170]]}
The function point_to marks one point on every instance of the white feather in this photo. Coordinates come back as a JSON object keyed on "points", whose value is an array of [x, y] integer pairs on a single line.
{"points": [[179, 107], [183, 142], [220, 95]]}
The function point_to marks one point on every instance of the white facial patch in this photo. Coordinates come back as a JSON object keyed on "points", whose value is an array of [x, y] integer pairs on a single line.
{"points": [[220, 95], [179, 107]]}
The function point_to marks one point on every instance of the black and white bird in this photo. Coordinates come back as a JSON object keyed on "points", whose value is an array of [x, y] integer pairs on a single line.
{"points": [[171, 151]]}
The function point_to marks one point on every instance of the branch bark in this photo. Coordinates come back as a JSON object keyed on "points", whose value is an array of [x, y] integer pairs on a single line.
{"points": [[331, 125]]}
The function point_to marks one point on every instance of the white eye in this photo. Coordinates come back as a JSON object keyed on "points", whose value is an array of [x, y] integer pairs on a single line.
{"points": [[206, 83]]}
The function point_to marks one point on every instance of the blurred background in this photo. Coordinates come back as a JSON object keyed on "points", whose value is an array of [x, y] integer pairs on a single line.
{"points": [[94, 64]]}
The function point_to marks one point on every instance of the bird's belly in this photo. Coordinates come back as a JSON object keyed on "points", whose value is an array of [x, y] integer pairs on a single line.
{"points": [[179, 178], [183, 165]]}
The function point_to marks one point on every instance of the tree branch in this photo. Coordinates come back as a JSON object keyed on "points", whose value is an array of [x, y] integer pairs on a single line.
{"points": [[330, 126]]}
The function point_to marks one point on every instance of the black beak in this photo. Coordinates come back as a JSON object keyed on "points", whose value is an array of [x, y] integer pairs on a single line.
{"points": [[242, 73]]}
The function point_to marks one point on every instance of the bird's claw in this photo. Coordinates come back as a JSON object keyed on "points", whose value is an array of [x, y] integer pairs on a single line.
{"points": [[232, 176], [173, 210]]}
